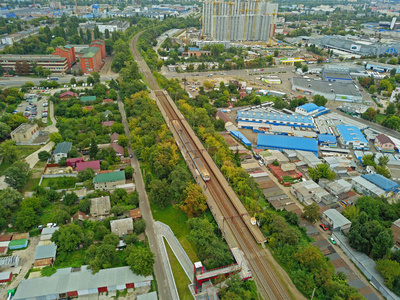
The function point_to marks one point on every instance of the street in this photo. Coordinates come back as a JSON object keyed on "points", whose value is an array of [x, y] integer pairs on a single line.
{"points": [[144, 205]]}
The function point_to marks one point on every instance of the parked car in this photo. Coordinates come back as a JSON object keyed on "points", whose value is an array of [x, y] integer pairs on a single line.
{"points": [[51, 225], [323, 227], [27, 108], [45, 104], [332, 240]]}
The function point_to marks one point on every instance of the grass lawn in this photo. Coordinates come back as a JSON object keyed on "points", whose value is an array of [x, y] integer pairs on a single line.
{"points": [[31, 184], [48, 214], [380, 118], [27, 150], [4, 166], [267, 98], [177, 220], [181, 279], [62, 182]]}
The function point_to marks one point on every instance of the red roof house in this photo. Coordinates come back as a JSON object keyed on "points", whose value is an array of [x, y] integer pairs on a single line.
{"points": [[71, 162], [3, 250], [119, 149], [88, 108], [68, 95], [135, 214], [5, 238], [105, 101], [94, 164], [114, 137], [107, 123]]}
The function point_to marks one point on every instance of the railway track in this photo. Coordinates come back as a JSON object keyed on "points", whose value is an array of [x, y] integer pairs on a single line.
{"points": [[269, 286]]}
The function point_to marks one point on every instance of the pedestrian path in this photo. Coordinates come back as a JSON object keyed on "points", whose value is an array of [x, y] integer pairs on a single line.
{"points": [[164, 231]]}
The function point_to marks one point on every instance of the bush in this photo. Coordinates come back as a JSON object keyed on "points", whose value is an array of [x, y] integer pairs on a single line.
{"points": [[44, 155], [48, 271]]}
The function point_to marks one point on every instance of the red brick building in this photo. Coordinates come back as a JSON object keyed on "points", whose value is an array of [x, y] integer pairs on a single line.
{"points": [[90, 60], [101, 45], [68, 52]]}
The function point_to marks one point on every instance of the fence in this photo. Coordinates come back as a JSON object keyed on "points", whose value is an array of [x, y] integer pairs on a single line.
{"points": [[366, 266], [56, 176]]}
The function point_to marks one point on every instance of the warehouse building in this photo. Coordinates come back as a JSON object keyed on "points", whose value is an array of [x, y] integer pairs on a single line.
{"points": [[281, 142], [352, 137], [239, 20], [310, 109], [74, 282], [336, 221], [19, 63], [327, 140], [365, 187], [331, 90], [386, 184], [252, 119], [336, 74]]}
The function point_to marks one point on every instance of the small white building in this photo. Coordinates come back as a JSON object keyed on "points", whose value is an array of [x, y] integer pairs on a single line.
{"points": [[336, 220]]}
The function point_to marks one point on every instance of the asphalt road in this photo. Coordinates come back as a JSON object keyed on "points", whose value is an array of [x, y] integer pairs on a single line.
{"points": [[18, 81], [144, 205]]}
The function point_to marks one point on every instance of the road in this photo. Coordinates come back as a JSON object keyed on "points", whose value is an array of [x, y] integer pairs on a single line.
{"points": [[144, 205], [18, 81]]}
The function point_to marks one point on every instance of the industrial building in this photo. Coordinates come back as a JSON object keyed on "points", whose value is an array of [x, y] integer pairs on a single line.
{"points": [[331, 90], [382, 68], [253, 119], [56, 64], [382, 182], [310, 109], [327, 140], [25, 134], [364, 186], [335, 74], [281, 142], [352, 137], [357, 47], [74, 282], [68, 52], [239, 20]]}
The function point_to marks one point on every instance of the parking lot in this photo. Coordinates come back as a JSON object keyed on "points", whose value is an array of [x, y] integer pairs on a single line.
{"points": [[34, 109]]}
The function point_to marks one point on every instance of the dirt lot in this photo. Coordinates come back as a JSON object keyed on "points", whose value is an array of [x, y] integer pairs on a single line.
{"points": [[26, 259]]}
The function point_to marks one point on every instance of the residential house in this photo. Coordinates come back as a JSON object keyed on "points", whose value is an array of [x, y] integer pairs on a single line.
{"points": [[71, 162], [87, 108], [114, 137], [79, 216], [107, 101], [135, 214], [396, 234], [68, 95], [88, 98], [122, 227], [45, 255], [61, 151], [370, 169], [25, 134], [107, 123], [336, 187], [307, 191], [383, 143], [118, 149], [100, 207], [109, 181], [107, 113], [93, 164], [336, 221]]}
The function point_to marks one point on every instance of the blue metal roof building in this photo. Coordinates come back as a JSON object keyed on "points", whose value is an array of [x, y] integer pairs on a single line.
{"points": [[193, 49], [352, 137], [382, 182], [241, 137], [311, 109], [282, 142], [246, 118], [327, 140]]}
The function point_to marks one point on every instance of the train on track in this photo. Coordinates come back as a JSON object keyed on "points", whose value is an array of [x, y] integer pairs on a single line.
{"points": [[192, 152]]}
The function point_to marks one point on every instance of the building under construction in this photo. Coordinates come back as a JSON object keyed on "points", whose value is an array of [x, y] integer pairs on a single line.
{"points": [[250, 20]]}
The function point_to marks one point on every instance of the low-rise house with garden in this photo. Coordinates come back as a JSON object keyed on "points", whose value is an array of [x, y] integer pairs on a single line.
{"points": [[61, 151], [100, 207], [109, 181]]}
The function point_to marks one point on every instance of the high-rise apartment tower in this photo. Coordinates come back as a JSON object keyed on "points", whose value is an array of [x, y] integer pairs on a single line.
{"points": [[251, 20]]}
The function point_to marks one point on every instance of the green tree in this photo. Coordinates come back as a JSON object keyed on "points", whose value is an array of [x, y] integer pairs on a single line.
{"points": [[139, 226], [384, 171], [128, 172], [321, 171], [123, 140], [25, 219], [130, 239], [320, 100], [140, 260], [372, 89], [96, 76], [351, 212], [87, 174], [304, 68], [383, 243], [93, 150], [56, 137], [369, 114], [195, 202], [159, 192], [311, 212], [111, 239], [58, 41], [392, 121], [17, 175], [369, 160], [68, 238], [389, 270], [276, 53], [9, 151], [5, 130], [10, 198], [44, 155], [106, 34], [70, 199], [391, 109]]}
